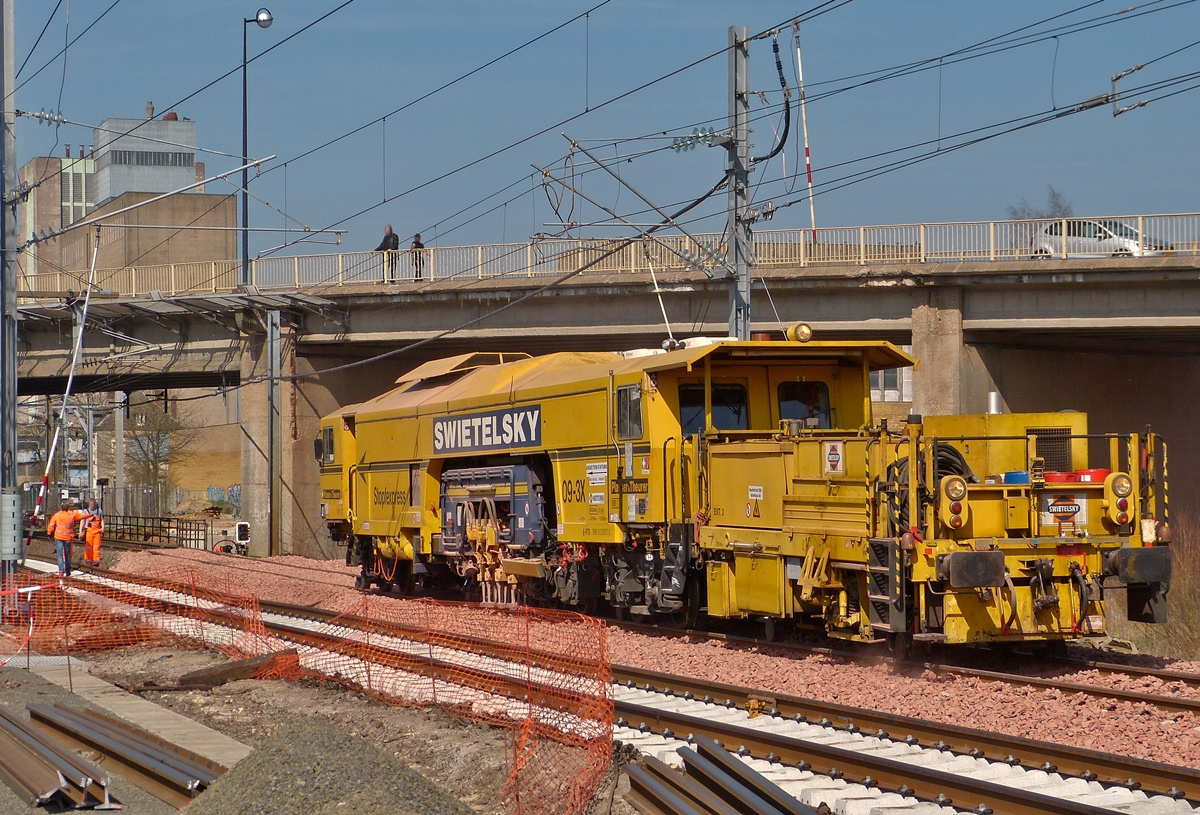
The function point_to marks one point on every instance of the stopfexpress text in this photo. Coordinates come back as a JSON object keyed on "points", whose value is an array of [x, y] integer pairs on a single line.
{"points": [[494, 430]]}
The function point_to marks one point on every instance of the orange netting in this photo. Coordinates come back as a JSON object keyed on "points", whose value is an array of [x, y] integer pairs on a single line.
{"points": [[542, 675]]}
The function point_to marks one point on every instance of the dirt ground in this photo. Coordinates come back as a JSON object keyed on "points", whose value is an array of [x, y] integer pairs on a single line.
{"points": [[466, 759]]}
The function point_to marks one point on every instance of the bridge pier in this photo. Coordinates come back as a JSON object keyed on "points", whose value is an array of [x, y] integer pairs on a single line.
{"points": [[937, 341]]}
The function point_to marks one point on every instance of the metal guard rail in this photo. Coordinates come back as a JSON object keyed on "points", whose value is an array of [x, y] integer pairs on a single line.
{"points": [[952, 242], [185, 532]]}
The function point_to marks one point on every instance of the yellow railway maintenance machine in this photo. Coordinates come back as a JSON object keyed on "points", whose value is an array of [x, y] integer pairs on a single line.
{"points": [[745, 480]]}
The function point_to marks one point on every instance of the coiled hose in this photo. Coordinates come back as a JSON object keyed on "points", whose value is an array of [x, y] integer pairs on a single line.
{"points": [[948, 460]]}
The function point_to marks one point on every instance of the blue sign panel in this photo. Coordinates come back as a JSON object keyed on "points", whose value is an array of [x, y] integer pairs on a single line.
{"points": [[493, 430]]}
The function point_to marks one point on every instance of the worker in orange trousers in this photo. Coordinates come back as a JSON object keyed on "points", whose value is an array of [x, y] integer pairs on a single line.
{"points": [[93, 527]]}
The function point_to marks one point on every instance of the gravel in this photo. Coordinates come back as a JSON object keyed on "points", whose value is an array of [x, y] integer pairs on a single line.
{"points": [[466, 759], [1093, 722], [311, 766], [1090, 721]]}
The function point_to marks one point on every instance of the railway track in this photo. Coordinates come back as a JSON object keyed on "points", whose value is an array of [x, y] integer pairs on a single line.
{"points": [[656, 712], [822, 752], [1164, 702]]}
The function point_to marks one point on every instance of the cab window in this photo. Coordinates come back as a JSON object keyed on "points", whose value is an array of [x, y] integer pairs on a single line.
{"points": [[808, 401], [327, 444], [629, 412], [729, 411]]}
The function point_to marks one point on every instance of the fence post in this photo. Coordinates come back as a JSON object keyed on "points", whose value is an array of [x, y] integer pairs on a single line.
{"points": [[991, 240], [862, 244], [804, 247], [1141, 236], [529, 259], [296, 270], [923, 247], [341, 268], [1064, 238], [173, 281], [479, 267]]}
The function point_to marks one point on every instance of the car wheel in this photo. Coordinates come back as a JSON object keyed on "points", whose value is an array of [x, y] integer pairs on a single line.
{"points": [[1124, 253], [1041, 254]]}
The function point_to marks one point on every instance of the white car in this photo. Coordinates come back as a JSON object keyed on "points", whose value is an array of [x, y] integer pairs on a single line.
{"points": [[1093, 239]]}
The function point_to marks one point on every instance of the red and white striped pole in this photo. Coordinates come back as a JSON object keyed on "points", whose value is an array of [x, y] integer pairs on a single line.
{"points": [[62, 416], [812, 209]]}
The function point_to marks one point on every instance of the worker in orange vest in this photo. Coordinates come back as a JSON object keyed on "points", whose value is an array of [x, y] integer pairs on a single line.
{"points": [[93, 527], [61, 529]]}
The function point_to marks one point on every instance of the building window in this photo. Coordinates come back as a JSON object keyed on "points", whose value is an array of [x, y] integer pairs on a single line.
{"points": [[148, 158]]}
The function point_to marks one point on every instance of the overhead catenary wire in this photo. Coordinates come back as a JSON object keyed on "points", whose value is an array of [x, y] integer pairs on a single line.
{"points": [[218, 79], [816, 11], [451, 83], [54, 58], [504, 307], [38, 41]]}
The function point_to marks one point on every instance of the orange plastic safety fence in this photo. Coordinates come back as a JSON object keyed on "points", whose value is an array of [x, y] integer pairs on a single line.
{"points": [[542, 675]]}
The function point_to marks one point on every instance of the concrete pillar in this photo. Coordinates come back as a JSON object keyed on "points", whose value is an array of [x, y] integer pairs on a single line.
{"points": [[255, 432], [937, 342]]}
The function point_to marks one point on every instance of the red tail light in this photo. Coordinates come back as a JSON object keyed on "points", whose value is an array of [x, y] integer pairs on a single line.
{"points": [[1069, 551]]}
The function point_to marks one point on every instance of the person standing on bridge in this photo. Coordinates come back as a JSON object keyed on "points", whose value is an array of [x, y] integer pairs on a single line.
{"points": [[93, 528], [418, 256], [390, 246], [61, 529]]}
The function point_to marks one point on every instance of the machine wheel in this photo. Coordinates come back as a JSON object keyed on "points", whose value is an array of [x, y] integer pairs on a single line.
{"points": [[1056, 649], [770, 629], [900, 645], [691, 603]]}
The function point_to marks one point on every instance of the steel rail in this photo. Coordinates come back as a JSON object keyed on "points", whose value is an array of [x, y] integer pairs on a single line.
{"points": [[1152, 777], [683, 787], [522, 690], [1171, 703], [870, 770], [531, 657], [80, 781]]}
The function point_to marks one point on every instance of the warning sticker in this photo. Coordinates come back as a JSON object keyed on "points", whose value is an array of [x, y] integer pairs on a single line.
{"points": [[1064, 508], [833, 456], [597, 473], [756, 493]]}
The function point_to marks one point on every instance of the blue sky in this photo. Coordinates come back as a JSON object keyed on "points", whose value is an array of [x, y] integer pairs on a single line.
{"points": [[373, 56]]}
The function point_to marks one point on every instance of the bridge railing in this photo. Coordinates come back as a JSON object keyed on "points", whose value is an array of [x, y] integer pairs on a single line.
{"points": [[954, 242]]}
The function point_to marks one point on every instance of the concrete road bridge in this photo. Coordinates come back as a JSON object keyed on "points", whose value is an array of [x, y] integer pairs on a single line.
{"points": [[1115, 334]]}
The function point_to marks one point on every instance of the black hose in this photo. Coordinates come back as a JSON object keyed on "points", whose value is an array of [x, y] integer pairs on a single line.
{"points": [[787, 107], [1085, 594]]}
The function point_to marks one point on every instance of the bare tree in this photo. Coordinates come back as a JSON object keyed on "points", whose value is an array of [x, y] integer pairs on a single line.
{"points": [[1056, 207], [158, 443]]}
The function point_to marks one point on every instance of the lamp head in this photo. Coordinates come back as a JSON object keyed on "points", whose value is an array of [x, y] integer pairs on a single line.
{"points": [[264, 18]]}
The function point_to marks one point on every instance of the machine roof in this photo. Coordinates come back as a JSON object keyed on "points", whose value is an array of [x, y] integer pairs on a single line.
{"points": [[880, 355], [483, 375]]}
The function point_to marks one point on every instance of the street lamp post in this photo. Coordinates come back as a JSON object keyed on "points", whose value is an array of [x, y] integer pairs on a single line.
{"points": [[264, 19]]}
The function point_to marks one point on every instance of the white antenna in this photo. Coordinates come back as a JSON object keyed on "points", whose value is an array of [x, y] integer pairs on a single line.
{"points": [[812, 209]]}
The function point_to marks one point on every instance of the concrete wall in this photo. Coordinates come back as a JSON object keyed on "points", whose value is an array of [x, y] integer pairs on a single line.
{"points": [[150, 136], [121, 247], [1121, 393]]}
